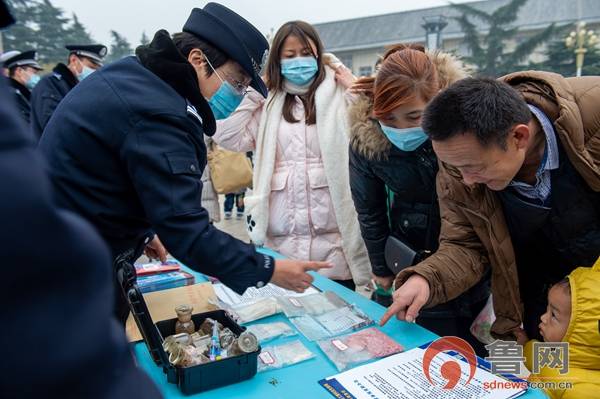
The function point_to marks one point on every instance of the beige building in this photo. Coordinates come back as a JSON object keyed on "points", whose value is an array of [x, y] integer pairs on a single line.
{"points": [[359, 42]]}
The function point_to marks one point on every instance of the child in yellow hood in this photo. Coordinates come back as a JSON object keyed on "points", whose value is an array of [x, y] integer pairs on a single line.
{"points": [[573, 316]]}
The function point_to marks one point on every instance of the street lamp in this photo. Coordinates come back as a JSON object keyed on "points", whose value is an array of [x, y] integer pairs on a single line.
{"points": [[433, 28], [580, 40]]}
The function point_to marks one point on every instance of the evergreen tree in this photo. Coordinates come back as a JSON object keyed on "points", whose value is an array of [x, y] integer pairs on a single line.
{"points": [[561, 59], [43, 27], [52, 32], [488, 52], [76, 33], [119, 47], [22, 35], [144, 40]]}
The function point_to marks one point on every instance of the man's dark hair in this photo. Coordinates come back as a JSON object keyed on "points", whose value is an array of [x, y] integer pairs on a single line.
{"points": [[486, 107], [12, 71], [186, 42]]}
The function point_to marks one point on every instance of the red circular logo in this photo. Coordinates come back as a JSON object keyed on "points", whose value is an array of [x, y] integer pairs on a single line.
{"points": [[450, 370]]}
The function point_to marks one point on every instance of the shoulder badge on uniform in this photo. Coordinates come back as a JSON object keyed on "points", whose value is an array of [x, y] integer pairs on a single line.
{"points": [[192, 111]]}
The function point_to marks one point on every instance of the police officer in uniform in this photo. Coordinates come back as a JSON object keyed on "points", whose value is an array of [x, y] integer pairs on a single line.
{"points": [[59, 335], [4, 57], [83, 60], [23, 75], [126, 148]]}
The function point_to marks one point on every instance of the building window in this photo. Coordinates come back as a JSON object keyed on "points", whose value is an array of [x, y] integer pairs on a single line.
{"points": [[346, 60], [365, 71]]}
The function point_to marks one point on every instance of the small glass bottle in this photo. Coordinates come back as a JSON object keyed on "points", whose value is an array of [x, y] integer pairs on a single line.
{"points": [[184, 323]]}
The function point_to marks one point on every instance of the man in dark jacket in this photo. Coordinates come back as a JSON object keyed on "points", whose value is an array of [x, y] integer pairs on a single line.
{"points": [[60, 337], [23, 75], [126, 148], [83, 60]]}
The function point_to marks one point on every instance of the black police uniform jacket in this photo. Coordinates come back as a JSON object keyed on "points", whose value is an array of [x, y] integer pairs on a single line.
{"points": [[55, 286], [46, 95], [21, 97], [126, 150]]}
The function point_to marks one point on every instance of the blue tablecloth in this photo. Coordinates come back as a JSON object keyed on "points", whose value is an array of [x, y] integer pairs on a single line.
{"points": [[301, 380]]}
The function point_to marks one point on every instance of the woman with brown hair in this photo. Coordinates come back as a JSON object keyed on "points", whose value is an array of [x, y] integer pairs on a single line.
{"points": [[301, 205], [392, 176]]}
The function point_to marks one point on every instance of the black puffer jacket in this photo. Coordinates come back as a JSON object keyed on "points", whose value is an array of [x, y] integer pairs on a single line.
{"points": [[375, 163], [375, 166]]}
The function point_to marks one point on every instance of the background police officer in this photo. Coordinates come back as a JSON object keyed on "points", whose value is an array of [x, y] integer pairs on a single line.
{"points": [[5, 56], [126, 148], [83, 60], [23, 75]]}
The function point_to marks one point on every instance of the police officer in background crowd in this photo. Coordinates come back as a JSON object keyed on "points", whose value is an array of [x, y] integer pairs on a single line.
{"points": [[3, 57], [23, 75], [126, 149], [83, 60]]}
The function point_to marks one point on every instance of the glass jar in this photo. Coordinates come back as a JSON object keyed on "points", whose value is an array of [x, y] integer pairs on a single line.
{"points": [[184, 323]]}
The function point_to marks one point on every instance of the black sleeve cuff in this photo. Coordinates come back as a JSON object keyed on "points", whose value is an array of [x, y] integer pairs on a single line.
{"points": [[382, 271], [265, 266]]}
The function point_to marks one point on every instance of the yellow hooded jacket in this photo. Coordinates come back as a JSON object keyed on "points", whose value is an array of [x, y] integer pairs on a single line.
{"points": [[583, 336]]}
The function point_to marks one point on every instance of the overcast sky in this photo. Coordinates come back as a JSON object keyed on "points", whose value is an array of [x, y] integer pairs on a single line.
{"points": [[132, 17]]}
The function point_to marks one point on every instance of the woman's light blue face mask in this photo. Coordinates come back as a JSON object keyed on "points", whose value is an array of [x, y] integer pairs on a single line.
{"points": [[299, 70], [405, 139]]}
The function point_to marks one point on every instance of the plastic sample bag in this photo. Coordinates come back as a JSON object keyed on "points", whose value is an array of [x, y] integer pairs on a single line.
{"points": [[353, 349], [268, 331], [313, 304], [330, 324], [275, 357]]}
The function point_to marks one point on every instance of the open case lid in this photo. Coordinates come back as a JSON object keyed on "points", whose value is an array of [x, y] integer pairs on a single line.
{"points": [[126, 276]]}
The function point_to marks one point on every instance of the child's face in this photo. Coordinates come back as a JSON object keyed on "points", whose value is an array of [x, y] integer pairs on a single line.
{"points": [[558, 314]]}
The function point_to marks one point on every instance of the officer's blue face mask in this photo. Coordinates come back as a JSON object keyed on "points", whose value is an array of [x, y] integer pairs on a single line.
{"points": [[299, 70], [32, 81], [85, 72], [226, 99], [405, 139]]}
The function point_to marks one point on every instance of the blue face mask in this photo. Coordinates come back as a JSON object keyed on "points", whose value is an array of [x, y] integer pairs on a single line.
{"points": [[225, 101], [299, 70], [32, 81], [405, 139], [85, 72]]}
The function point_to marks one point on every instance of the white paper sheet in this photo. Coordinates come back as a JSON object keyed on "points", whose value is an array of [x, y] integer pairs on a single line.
{"points": [[230, 297], [401, 376]]}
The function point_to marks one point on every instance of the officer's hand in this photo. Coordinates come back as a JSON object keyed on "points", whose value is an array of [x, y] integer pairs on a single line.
{"points": [[292, 274], [384, 282], [156, 250], [408, 300]]}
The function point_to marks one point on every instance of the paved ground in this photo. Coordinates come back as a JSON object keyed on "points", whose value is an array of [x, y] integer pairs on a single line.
{"points": [[235, 227]]}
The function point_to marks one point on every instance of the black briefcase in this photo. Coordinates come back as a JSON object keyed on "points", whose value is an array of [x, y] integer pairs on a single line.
{"points": [[190, 380]]}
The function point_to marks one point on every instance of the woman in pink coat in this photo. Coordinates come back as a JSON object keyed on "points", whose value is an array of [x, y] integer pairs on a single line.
{"points": [[301, 205]]}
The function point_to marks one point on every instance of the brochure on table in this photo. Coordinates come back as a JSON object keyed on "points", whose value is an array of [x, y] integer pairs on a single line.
{"points": [[401, 376]]}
